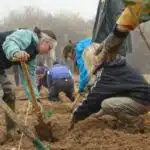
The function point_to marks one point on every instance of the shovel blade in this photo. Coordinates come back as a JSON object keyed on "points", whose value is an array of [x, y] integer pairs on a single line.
{"points": [[44, 131]]}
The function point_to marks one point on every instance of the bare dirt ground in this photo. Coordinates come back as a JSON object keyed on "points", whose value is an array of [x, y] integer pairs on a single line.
{"points": [[91, 134]]}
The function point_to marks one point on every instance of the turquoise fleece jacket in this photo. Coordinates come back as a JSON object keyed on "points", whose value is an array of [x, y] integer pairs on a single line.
{"points": [[79, 49], [19, 41]]}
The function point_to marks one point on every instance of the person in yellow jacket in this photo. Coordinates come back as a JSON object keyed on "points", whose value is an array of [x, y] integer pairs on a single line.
{"points": [[136, 12]]}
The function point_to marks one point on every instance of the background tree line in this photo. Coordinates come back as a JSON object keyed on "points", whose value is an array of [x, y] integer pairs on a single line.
{"points": [[69, 26]]}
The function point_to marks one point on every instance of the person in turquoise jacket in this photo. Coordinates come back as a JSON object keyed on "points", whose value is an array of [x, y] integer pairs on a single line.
{"points": [[76, 52], [22, 45]]}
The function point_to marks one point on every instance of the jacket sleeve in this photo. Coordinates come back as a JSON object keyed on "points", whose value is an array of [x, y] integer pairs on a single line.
{"points": [[32, 71], [80, 63], [19, 40], [83, 76]]}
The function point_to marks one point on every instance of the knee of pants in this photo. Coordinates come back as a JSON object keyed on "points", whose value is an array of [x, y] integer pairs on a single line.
{"points": [[9, 96], [105, 104], [108, 105]]}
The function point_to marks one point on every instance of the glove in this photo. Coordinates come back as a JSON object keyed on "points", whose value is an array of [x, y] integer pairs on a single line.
{"points": [[21, 56]]}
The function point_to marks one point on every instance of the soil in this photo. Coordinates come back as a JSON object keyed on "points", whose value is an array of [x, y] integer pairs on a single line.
{"points": [[90, 134]]}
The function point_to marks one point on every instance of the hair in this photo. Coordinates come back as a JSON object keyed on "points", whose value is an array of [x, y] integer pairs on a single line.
{"points": [[70, 41], [48, 32], [67, 49], [70, 47], [37, 31]]}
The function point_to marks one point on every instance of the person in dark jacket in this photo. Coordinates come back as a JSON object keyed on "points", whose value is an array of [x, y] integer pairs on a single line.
{"points": [[57, 79], [120, 91], [22, 45]]}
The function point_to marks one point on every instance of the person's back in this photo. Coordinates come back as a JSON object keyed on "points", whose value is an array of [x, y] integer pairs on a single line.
{"points": [[59, 71], [123, 80], [59, 79]]}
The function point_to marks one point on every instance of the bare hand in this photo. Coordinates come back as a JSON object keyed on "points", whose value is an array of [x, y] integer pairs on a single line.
{"points": [[21, 56]]}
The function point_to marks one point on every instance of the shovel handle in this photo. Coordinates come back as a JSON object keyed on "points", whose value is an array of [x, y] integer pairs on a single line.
{"points": [[77, 99], [27, 78]]}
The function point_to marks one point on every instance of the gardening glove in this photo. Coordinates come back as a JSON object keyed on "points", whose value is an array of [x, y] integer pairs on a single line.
{"points": [[21, 56]]}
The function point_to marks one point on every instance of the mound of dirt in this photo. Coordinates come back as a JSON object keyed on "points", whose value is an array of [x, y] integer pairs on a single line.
{"points": [[90, 134]]}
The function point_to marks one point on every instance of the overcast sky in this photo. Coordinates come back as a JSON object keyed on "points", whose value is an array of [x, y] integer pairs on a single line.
{"points": [[86, 8]]}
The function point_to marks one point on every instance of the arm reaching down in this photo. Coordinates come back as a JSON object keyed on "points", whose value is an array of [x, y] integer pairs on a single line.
{"points": [[130, 18]]}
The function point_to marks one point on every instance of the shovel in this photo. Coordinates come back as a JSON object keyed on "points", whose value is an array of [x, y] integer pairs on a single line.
{"points": [[77, 100], [26, 130], [43, 129]]}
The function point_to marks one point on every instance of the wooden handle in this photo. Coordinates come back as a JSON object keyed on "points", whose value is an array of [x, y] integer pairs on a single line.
{"points": [[27, 78], [76, 101]]}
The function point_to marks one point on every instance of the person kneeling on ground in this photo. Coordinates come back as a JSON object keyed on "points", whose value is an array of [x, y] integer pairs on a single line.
{"points": [[57, 79], [120, 91]]}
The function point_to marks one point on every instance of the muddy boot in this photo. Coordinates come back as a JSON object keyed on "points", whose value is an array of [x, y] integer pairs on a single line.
{"points": [[137, 124], [9, 98], [133, 123]]}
